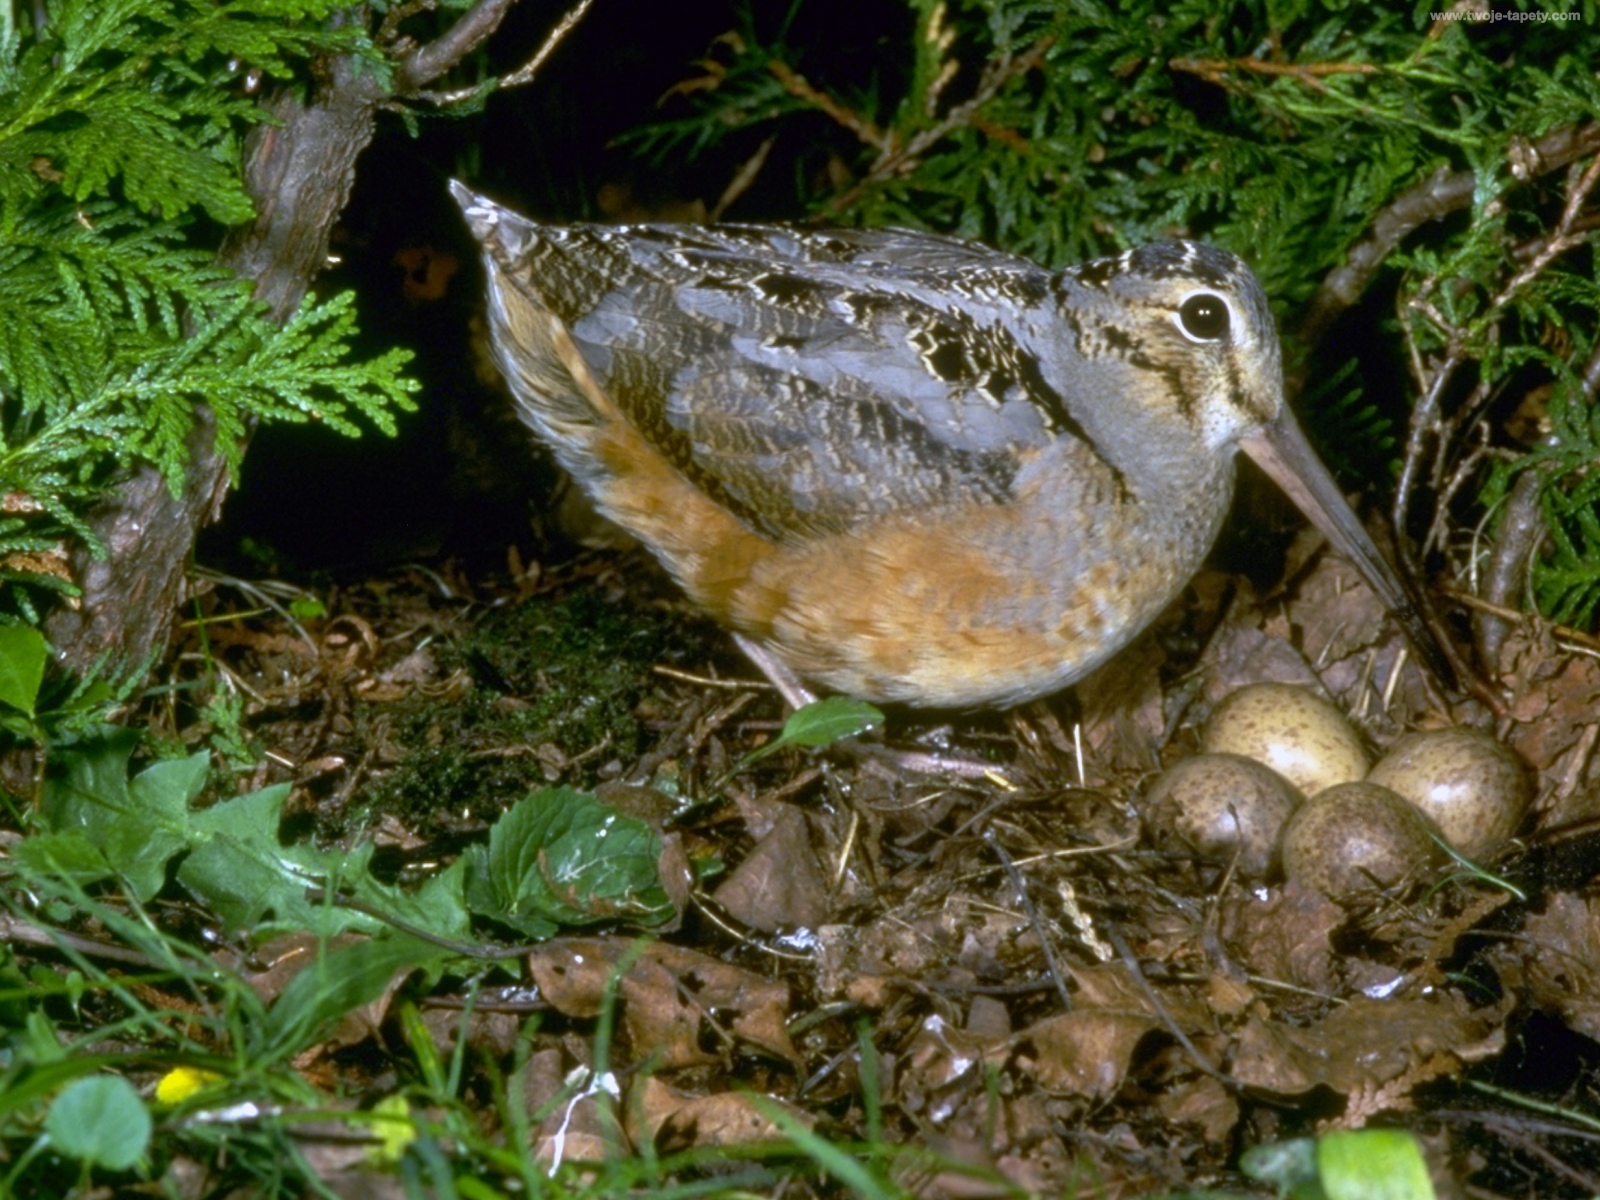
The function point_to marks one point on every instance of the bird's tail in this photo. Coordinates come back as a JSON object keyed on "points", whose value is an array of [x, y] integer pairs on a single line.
{"points": [[556, 391]]}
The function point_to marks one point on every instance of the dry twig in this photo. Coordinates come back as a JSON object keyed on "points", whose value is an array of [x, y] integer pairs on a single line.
{"points": [[1216, 70], [895, 159], [1440, 194], [469, 33]]}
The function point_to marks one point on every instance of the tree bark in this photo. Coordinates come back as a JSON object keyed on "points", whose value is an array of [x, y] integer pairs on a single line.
{"points": [[299, 170]]}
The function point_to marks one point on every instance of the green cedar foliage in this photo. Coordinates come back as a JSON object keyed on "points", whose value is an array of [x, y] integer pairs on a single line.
{"points": [[120, 159], [1281, 129]]}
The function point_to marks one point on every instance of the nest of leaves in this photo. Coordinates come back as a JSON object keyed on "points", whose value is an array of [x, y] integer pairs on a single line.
{"points": [[997, 980]]}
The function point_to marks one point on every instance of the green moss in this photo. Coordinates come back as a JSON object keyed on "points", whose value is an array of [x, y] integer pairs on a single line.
{"points": [[554, 679]]}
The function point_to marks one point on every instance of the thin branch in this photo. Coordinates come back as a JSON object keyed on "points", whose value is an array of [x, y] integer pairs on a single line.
{"points": [[995, 76], [1433, 434], [427, 63], [525, 73], [522, 75], [743, 178], [1039, 931], [389, 32], [1442, 193], [1521, 530], [1427, 417], [798, 86], [1216, 70], [1160, 1010]]}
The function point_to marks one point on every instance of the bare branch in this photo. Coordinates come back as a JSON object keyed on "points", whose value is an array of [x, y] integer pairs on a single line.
{"points": [[743, 178], [1216, 70], [525, 73], [554, 38], [427, 63], [799, 86], [898, 161], [1442, 193]]}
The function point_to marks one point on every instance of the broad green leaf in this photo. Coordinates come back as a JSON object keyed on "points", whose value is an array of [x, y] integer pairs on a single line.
{"points": [[139, 824], [1290, 1166], [101, 1122], [1362, 1164], [241, 869], [338, 981], [831, 719], [560, 857], [86, 774], [822, 723], [69, 855], [23, 652], [238, 869], [1373, 1164]]}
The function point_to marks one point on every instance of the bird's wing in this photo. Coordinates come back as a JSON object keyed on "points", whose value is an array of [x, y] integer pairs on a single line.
{"points": [[812, 380]]}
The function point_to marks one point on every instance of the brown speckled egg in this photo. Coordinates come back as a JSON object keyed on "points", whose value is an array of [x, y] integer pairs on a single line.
{"points": [[1475, 789], [1221, 804], [1300, 736], [1354, 837]]}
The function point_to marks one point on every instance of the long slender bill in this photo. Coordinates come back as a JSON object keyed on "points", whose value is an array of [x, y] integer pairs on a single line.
{"points": [[1281, 450]]}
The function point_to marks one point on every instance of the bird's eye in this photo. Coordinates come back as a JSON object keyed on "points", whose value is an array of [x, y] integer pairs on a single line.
{"points": [[1204, 317]]}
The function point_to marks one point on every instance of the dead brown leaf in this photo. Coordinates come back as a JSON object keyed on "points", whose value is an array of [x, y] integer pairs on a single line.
{"points": [[572, 1128], [1557, 960], [1085, 1053], [725, 1120], [1554, 699], [960, 944], [1285, 937], [1204, 1102], [1123, 718], [780, 884], [1366, 1044], [674, 1001], [1241, 653]]}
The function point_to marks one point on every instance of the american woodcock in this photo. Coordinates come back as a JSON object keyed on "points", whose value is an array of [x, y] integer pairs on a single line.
{"points": [[907, 467]]}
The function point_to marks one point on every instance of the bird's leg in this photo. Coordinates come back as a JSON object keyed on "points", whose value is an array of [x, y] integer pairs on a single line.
{"points": [[797, 695]]}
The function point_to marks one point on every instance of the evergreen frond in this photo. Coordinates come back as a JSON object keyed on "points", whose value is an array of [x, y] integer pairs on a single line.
{"points": [[118, 123]]}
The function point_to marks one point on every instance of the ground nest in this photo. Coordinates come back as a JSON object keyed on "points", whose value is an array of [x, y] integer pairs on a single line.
{"points": [[1004, 971]]}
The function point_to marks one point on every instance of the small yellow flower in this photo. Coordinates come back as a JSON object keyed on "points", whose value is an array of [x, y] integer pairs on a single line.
{"points": [[394, 1129], [180, 1083]]}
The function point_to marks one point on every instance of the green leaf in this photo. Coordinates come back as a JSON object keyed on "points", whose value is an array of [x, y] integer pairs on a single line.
{"points": [[69, 855], [122, 126], [1373, 1164], [240, 868], [831, 719], [1289, 1166], [137, 825], [560, 857], [101, 1122], [822, 723], [340, 980], [22, 657], [1363, 1164]]}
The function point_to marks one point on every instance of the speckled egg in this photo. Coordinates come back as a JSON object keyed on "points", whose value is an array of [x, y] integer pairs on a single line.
{"points": [[1222, 805], [1354, 837], [1299, 735], [1475, 789]]}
